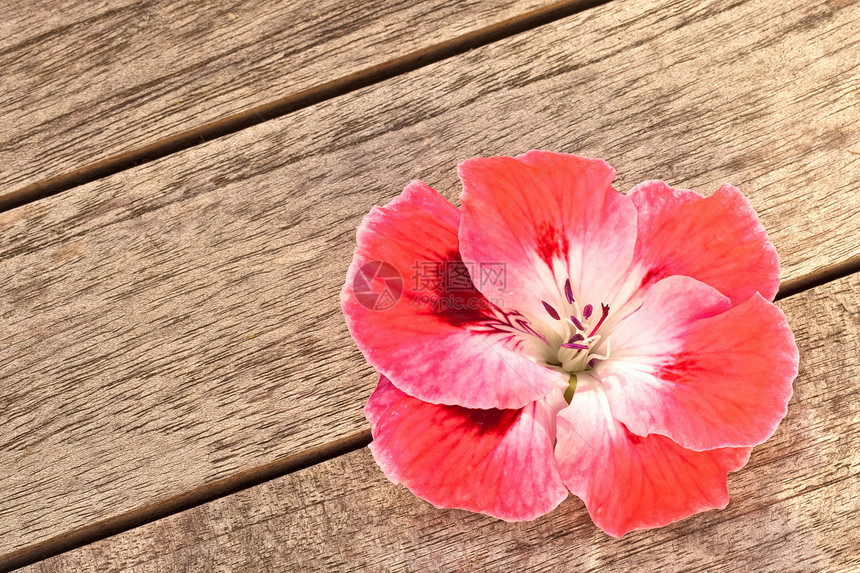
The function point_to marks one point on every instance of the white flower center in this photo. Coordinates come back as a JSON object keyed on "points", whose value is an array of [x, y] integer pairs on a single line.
{"points": [[578, 337], [570, 343], [578, 353]]}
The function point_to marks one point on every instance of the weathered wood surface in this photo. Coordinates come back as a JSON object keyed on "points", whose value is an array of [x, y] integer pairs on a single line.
{"points": [[90, 80], [24, 21], [175, 323], [795, 507]]}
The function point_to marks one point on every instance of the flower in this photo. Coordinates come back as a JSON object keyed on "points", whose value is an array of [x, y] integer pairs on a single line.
{"points": [[625, 349]]}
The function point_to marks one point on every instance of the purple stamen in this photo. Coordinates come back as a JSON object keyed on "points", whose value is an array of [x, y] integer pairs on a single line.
{"points": [[575, 345], [591, 362], [551, 311], [576, 338], [568, 292], [576, 322], [586, 312], [604, 309]]}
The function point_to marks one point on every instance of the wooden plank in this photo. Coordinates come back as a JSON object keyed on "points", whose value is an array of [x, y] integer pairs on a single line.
{"points": [[174, 324], [794, 507], [91, 80], [25, 21]]}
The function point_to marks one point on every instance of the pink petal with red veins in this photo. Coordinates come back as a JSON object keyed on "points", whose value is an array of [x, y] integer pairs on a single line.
{"points": [[548, 217], [450, 351], [688, 366], [629, 482], [498, 462], [719, 241]]}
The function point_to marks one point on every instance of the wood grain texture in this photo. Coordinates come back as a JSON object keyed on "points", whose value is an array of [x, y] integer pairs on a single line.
{"points": [[179, 322], [29, 21], [794, 507], [89, 83]]}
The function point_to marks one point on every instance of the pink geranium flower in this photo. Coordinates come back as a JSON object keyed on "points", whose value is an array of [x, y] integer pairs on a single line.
{"points": [[555, 335]]}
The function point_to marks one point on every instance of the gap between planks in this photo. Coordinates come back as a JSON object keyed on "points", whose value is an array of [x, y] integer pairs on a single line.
{"points": [[294, 102], [184, 501], [284, 466], [824, 275]]}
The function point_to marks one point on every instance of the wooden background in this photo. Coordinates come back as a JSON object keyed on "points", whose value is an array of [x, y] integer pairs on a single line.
{"points": [[180, 185]]}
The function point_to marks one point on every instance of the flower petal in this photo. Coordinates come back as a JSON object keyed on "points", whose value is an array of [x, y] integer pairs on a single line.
{"points": [[687, 366], [718, 240], [498, 462], [435, 337], [629, 482], [548, 217]]}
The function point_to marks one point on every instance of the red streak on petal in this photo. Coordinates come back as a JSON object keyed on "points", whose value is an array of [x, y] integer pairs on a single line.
{"points": [[634, 439], [549, 243], [653, 275], [684, 368], [488, 422]]}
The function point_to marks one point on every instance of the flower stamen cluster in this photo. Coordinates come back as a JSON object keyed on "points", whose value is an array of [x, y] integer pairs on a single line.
{"points": [[577, 351]]}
